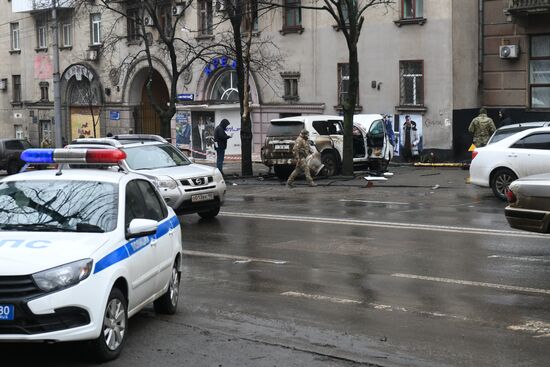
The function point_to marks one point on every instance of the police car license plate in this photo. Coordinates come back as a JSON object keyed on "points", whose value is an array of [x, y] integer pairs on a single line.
{"points": [[6, 312], [202, 197], [282, 147]]}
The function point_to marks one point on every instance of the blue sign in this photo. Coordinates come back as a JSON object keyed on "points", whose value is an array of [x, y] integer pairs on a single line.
{"points": [[186, 97], [219, 62], [114, 115]]}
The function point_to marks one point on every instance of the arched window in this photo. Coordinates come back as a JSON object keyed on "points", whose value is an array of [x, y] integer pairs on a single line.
{"points": [[224, 87], [83, 93]]}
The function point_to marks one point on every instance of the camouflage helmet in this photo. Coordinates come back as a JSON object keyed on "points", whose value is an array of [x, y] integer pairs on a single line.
{"points": [[304, 132]]}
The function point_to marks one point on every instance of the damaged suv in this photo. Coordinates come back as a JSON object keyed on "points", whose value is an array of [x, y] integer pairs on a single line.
{"points": [[371, 145]]}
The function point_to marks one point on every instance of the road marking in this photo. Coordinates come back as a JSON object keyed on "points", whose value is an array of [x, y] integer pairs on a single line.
{"points": [[474, 284], [238, 259], [368, 223], [374, 202], [521, 258], [532, 326], [317, 297]]}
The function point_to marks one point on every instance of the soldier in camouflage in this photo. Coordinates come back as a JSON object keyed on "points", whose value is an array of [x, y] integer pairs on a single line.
{"points": [[482, 127], [301, 150]]}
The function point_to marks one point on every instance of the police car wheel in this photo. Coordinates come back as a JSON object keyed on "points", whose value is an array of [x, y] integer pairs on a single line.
{"points": [[113, 332], [168, 302], [210, 213]]}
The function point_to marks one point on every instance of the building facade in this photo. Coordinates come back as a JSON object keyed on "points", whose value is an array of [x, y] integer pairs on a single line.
{"points": [[417, 58]]}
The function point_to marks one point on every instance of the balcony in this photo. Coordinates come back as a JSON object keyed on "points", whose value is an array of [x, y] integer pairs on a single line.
{"points": [[519, 7]]}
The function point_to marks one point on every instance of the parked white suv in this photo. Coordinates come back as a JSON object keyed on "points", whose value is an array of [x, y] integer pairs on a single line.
{"points": [[187, 187]]}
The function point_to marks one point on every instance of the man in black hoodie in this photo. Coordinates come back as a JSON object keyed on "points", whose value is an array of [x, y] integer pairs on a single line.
{"points": [[505, 118], [220, 140]]}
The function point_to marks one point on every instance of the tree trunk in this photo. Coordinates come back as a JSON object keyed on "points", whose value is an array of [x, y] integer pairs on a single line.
{"points": [[349, 110]]}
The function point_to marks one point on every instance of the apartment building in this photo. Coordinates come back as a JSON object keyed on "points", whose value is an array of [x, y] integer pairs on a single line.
{"points": [[417, 58]]}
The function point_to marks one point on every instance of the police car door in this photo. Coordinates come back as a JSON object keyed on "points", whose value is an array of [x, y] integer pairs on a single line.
{"points": [[142, 262], [163, 244]]}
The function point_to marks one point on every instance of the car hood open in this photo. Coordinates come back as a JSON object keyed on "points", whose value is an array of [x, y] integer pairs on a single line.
{"points": [[23, 253]]}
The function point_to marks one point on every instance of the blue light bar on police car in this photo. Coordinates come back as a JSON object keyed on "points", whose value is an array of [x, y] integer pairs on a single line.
{"points": [[74, 156]]}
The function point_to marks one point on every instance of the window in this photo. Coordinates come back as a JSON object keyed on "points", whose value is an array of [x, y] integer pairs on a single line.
{"points": [[44, 95], [345, 12], [535, 141], [132, 26], [67, 33], [46, 130], [539, 71], [205, 17], [225, 88], [19, 132], [95, 26], [14, 31], [165, 19], [142, 202], [343, 83], [291, 85], [42, 33], [16, 81], [411, 9], [292, 15], [251, 14], [411, 83], [330, 127]]}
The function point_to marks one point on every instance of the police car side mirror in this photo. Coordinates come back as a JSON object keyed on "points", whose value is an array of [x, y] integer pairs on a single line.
{"points": [[141, 227]]}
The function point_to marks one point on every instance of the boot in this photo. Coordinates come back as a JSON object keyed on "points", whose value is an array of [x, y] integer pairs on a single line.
{"points": [[289, 185], [312, 184]]}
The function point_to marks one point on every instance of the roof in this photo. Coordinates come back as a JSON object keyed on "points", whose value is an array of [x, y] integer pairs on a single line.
{"points": [[526, 124], [89, 174]]}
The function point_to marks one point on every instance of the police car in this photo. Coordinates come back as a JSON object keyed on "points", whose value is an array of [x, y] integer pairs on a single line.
{"points": [[82, 250]]}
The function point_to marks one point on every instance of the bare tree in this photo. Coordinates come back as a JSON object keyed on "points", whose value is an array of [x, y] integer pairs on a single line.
{"points": [[350, 17], [253, 53], [156, 34]]}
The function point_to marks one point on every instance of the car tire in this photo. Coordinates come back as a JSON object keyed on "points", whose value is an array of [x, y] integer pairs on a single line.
{"points": [[500, 180], [13, 167], [331, 164], [282, 171], [112, 338], [168, 303], [209, 213]]}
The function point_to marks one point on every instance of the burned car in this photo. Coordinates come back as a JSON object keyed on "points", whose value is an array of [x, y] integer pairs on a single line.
{"points": [[371, 145]]}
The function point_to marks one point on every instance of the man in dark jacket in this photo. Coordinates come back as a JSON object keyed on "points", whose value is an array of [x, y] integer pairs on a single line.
{"points": [[505, 118], [220, 143]]}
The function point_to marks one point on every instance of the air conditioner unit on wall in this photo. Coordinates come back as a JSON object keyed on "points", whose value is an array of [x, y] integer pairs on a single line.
{"points": [[509, 52], [219, 5], [147, 21], [91, 55], [178, 9]]}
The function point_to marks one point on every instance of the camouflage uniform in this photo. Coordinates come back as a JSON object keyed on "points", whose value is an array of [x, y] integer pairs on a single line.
{"points": [[301, 150], [482, 127]]}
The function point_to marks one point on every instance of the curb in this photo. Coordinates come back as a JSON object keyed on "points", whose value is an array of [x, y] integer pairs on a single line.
{"points": [[458, 165]]}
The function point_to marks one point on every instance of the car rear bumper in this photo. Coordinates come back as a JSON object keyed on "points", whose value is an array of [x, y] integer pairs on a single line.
{"points": [[529, 220]]}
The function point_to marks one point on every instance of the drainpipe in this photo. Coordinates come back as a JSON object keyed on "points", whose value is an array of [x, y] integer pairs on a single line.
{"points": [[480, 43]]}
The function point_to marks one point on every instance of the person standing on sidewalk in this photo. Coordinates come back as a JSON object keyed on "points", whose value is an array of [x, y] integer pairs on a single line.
{"points": [[301, 150], [482, 127], [409, 140], [220, 143]]}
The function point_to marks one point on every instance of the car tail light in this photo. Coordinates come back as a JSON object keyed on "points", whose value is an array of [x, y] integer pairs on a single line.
{"points": [[511, 196], [474, 154]]}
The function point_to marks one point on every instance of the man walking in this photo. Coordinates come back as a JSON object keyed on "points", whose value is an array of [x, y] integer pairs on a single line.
{"points": [[482, 127], [301, 150], [410, 140], [220, 143]]}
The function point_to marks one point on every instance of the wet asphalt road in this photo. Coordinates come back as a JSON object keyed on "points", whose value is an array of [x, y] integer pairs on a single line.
{"points": [[420, 271]]}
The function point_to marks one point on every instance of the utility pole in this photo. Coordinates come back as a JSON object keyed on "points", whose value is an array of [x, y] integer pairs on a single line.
{"points": [[56, 78]]}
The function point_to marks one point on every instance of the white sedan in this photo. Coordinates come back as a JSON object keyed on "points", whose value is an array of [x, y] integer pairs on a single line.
{"points": [[82, 250], [499, 164]]}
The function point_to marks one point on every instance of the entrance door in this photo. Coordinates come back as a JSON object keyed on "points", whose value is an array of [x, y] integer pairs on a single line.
{"points": [[85, 122], [149, 120]]}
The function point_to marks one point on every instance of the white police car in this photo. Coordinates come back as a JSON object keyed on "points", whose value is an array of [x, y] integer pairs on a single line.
{"points": [[82, 250]]}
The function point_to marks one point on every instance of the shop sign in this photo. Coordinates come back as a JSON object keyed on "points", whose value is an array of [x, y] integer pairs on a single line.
{"points": [[219, 63]]}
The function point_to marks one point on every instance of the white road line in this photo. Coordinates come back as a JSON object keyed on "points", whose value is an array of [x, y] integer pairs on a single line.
{"points": [[374, 202], [317, 297], [521, 258], [368, 223], [532, 326], [237, 258], [474, 284]]}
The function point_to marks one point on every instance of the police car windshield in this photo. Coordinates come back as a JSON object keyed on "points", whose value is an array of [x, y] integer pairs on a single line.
{"points": [[154, 156], [58, 206]]}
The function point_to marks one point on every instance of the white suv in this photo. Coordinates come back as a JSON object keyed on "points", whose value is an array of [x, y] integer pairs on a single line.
{"points": [[82, 250], [187, 187]]}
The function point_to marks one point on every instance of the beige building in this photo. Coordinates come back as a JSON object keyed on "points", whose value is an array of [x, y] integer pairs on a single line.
{"points": [[418, 58]]}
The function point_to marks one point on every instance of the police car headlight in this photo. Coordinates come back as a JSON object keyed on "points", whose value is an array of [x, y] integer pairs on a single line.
{"points": [[63, 276], [166, 182], [218, 177]]}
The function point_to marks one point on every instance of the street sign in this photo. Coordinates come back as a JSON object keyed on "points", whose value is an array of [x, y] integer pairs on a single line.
{"points": [[186, 97], [114, 115]]}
